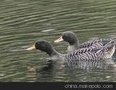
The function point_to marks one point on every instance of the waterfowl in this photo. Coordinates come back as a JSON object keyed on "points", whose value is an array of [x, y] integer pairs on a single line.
{"points": [[80, 54], [45, 46], [74, 44]]}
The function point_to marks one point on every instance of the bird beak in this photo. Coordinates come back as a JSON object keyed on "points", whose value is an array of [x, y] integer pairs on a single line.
{"points": [[59, 40], [31, 48]]}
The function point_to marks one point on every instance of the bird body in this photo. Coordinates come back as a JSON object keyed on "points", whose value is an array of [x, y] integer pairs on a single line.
{"points": [[74, 44], [104, 52]]}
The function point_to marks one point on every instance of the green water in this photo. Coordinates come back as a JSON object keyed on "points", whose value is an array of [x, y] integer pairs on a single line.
{"points": [[22, 22]]}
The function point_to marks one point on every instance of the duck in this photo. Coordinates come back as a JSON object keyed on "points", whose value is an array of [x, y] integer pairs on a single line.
{"points": [[45, 46], [105, 52], [71, 38]]}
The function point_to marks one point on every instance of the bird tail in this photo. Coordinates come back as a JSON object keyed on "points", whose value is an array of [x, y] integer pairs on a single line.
{"points": [[107, 50]]}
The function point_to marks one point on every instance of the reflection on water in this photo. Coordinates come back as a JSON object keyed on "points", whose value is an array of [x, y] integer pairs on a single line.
{"points": [[31, 73], [22, 22], [93, 64], [74, 71]]}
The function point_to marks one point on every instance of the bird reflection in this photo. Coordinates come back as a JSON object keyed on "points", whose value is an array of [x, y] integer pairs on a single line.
{"points": [[93, 64], [45, 73], [48, 66]]}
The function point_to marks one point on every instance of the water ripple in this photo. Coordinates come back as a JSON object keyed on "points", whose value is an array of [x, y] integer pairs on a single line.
{"points": [[25, 21]]}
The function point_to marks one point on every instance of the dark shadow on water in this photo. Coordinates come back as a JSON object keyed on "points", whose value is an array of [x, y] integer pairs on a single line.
{"points": [[46, 72], [48, 66]]}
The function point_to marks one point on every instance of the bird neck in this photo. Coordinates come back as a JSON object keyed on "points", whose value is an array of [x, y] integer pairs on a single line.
{"points": [[71, 48], [75, 44], [53, 53]]}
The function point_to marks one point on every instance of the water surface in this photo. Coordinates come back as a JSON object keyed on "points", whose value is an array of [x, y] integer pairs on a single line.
{"points": [[22, 22]]}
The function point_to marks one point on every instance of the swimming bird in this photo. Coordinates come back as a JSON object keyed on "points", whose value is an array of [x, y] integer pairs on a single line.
{"points": [[80, 54], [45, 46], [74, 44]]}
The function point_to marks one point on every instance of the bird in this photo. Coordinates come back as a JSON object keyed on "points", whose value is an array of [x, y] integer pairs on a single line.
{"points": [[105, 52], [71, 38]]}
